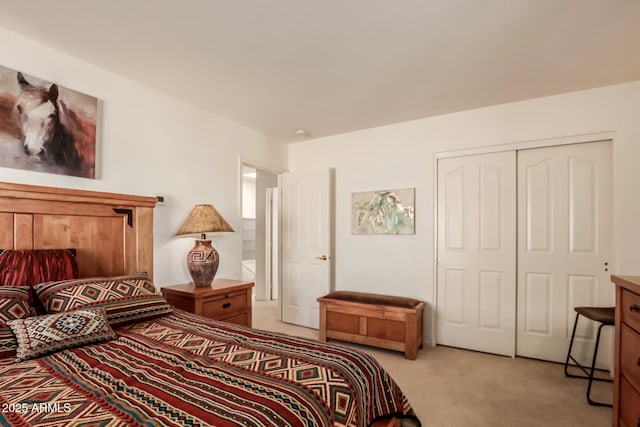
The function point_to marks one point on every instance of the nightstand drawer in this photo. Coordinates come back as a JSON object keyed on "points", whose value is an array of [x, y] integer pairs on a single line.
{"points": [[630, 355], [218, 307], [630, 309]]}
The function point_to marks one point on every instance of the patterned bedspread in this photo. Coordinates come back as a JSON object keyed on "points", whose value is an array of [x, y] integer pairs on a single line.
{"points": [[184, 370]]}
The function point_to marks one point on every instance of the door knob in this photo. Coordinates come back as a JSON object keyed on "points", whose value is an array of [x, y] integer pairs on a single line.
{"points": [[322, 258]]}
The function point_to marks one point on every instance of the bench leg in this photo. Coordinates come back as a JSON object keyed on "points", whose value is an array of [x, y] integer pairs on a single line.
{"points": [[323, 323], [411, 352], [410, 332]]}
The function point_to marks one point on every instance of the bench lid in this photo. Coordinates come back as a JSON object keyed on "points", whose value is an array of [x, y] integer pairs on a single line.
{"points": [[376, 299]]}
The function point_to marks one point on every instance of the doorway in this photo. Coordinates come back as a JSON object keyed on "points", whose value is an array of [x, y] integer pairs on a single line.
{"points": [[259, 230], [554, 204]]}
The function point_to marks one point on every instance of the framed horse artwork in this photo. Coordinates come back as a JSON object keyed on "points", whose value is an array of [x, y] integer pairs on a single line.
{"points": [[383, 212], [46, 127]]}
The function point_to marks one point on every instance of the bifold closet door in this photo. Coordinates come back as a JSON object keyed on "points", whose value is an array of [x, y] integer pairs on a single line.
{"points": [[564, 229], [477, 252]]}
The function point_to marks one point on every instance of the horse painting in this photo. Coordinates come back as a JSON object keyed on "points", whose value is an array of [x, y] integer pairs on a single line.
{"points": [[383, 212], [53, 136]]}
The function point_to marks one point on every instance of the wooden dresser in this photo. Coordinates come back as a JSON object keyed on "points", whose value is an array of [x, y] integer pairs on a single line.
{"points": [[225, 299], [626, 387]]}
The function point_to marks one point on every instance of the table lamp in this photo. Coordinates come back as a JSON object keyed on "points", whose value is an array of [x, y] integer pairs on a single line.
{"points": [[203, 259]]}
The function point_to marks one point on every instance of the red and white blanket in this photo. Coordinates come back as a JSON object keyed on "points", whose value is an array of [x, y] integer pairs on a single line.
{"points": [[185, 370]]}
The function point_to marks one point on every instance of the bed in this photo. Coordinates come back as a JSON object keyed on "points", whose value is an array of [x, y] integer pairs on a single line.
{"points": [[94, 343]]}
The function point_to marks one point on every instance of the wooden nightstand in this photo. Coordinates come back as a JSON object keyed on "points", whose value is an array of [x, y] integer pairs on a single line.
{"points": [[225, 299]]}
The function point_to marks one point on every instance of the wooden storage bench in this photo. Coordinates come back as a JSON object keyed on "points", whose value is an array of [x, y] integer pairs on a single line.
{"points": [[390, 322]]}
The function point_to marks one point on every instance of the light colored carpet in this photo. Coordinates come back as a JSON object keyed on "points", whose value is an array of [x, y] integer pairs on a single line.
{"points": [[449, 387]]}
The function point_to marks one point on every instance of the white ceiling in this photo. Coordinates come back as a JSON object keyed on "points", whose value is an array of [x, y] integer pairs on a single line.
{"points": [[333, 66]]}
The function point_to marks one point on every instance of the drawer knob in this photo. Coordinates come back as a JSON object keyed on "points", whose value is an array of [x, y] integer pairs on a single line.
{"points": [[636, 309], [226, 305]]}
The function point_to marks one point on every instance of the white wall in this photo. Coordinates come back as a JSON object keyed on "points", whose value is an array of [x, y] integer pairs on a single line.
{"points": [[152, 144], [402, 155], [248, 198]]}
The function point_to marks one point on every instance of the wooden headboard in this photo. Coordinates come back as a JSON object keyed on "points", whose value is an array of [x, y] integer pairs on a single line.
{"points": [[112, 233]]}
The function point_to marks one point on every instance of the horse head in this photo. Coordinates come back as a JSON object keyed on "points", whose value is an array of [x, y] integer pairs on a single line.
{"points": [[43, 135]]}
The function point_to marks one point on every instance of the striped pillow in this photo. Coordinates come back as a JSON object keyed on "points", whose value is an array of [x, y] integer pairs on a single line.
{"points": [[126, 299], [14, 304]]}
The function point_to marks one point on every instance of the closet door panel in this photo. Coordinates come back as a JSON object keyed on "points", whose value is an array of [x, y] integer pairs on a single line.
{"points": [[476, 252], [564, 221]]}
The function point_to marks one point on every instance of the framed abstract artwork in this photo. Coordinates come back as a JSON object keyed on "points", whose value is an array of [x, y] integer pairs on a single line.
{"points": [[383, 212], [46, 127]]}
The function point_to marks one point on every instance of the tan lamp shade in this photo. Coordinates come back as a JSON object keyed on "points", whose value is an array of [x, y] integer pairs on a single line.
{"points": [[204, 219], [203, 259]]}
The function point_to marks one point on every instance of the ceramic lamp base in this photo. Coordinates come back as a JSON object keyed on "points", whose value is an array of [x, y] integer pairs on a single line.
{"points": [[202, 262]]}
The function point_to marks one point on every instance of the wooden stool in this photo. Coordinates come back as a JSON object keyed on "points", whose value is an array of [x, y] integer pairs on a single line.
{"points": [[606, 317]]}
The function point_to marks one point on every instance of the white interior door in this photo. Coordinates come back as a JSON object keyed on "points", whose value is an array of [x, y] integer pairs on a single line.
{"points": [[476, 252], [306, 244], [564, 229]]}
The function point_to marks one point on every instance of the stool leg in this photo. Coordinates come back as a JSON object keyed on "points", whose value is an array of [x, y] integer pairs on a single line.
{"points": [[593, 368], [573, 336]]}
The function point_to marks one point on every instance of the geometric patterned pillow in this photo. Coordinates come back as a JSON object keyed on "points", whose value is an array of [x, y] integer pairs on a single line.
{"points": [[40, 335], [14, 304], [126, 299]]}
